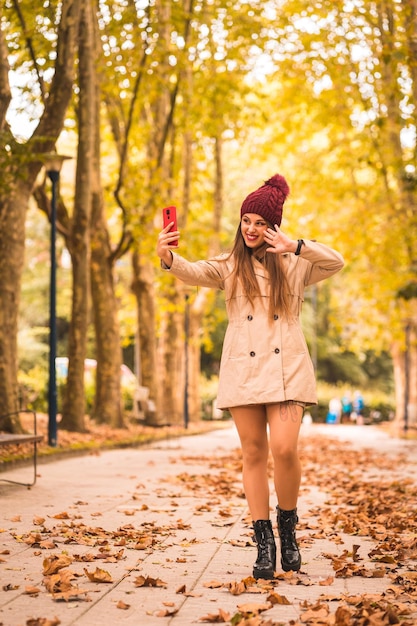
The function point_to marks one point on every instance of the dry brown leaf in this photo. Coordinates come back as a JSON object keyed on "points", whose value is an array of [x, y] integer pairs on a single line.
{"points": [[148, 581], [314, 615], [144, 543], [216, 618], [237, 588], [72, 594], [327, 581], [253, 608], [61, 581], [276, 598], [167, 612], [32, 538], [43, 621], [213, 584], [54, 563], [343, 616], [122, 605], [99, 576]]}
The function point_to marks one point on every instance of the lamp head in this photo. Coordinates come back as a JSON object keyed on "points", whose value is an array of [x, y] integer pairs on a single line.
{"points": [[53, 162]]}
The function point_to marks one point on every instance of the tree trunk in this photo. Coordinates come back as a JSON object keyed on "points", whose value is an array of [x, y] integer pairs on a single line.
{"points": [[171, 364], [199, 304], [108, 398], [142, 287], [73, 413], [108, 401], [404, 357], [11, 261]]}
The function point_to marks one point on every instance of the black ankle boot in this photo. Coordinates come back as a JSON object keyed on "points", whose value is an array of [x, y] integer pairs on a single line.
{"points": [[290, 554], [267, 551]]}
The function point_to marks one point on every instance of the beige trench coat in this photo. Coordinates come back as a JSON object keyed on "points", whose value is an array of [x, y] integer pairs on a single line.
{"points": [[263, 361]]}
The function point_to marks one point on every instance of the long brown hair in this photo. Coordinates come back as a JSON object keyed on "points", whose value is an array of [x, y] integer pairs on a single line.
{"points": [[279, 300]]}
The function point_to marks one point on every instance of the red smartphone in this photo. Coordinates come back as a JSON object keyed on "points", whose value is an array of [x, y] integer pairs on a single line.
{"points": [[169, 214]]}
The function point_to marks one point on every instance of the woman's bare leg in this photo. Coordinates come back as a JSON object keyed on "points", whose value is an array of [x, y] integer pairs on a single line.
{"points": [[251, 424], [284, 427]]}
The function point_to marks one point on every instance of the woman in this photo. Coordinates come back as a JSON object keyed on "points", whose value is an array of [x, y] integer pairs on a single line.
{"points": [[266, 374]]}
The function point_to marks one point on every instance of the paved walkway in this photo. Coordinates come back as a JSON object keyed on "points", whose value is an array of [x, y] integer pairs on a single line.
{"points": [[160, 535]]}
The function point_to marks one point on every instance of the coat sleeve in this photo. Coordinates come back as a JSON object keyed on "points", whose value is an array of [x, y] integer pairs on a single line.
{"points": [[322, 261], [199, 273]]}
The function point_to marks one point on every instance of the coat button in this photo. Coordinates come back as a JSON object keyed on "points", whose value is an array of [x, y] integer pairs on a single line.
{"points": [[250, 317], [276, 316], [276, 350], [252, 353]]}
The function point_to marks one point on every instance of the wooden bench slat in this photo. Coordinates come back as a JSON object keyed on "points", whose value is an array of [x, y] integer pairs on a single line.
{"points": [[7, 439]]}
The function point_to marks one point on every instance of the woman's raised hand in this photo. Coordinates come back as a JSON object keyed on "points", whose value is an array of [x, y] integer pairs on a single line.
{"points": [[166, 239], [278, 242]]}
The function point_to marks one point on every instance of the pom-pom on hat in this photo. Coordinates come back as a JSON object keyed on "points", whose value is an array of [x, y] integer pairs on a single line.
{"points": [[268, 200]]}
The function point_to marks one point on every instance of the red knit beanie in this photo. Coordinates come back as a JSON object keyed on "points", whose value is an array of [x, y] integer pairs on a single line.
{"points": [[268, 200]]}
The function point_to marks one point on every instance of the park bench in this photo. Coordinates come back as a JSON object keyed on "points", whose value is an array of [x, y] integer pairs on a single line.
{"points": [[11, 439]]}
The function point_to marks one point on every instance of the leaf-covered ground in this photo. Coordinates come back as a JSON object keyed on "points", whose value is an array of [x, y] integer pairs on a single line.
{"points": [[359, 502], [95, 438]]}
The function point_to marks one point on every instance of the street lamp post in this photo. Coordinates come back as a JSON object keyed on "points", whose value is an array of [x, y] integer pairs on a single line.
{"points": [[186, 364], [53, 164], [52, 391], [406, 375]]}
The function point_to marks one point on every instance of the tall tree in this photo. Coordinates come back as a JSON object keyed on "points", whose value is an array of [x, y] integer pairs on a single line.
{"points": [[108, 402], [21, 160], [358, 60], [78, 239]]}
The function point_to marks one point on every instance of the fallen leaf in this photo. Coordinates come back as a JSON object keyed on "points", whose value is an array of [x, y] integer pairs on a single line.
{"points": [[59, 582], [122, 605], [148, 581], [99, 576], [276, 598], [213, 584], [216, 618], [327, 581], [253, 608], [166, 612], [54, 563]]}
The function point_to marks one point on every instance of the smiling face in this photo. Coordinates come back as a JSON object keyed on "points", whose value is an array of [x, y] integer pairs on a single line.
{"points": [[253, 227]]}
